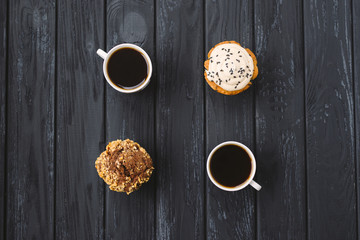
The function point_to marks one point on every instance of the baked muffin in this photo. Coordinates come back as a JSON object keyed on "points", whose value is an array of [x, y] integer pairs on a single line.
{"points": [[124, 166], [230, 68]]}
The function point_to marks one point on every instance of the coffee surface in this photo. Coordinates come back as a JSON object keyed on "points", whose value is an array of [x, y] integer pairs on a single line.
{"points": [[230, 165], [127, 68]]}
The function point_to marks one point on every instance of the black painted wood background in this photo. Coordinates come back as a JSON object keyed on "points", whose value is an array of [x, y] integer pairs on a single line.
{"points": [[301, 119]]}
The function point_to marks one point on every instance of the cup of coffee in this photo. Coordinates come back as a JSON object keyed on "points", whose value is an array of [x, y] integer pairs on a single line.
{"points": [[231, 166], [127, 67]]}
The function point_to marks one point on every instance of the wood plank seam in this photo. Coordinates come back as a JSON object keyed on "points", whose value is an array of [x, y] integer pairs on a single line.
{"points": [[5, 175], [205, 125], [355, 109], [256, 200], [154, 114], [305, 126], [55, 113], [104, 116]]}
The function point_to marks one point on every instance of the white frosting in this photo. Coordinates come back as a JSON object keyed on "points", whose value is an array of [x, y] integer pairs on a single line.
{"points": [[230, 67]]}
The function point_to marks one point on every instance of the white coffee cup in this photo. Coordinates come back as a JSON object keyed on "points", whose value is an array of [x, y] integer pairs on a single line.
{"points": [[107, 56], [248, 181]]}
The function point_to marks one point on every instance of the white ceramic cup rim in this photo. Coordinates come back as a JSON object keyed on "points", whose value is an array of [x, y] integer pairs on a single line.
{"points": [[137, 48], [252, 173]]}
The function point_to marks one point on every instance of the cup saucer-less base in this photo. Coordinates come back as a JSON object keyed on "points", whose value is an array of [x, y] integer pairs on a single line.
{"points": [[106, 57], [249, 181]]}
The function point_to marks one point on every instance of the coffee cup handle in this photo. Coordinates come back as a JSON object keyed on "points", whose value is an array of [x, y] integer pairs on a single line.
{"points": [[101, 53], [255, 185]]}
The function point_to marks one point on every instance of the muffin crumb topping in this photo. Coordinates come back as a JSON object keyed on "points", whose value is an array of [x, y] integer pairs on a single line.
{"points": [[124, 166]]}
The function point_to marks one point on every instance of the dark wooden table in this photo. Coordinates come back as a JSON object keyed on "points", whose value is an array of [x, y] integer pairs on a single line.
{"points": [[301, 119]]}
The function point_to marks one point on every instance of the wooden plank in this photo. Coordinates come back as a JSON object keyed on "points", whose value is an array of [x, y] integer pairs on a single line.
{"points": [[80, 122], [131, 116], [30, 138], [280, 120], [356, 64], [230, 215], [180, 120], [3, 96], [330, 120]]}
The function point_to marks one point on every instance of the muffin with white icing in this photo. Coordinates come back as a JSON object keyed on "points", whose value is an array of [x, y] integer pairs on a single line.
{"points": [[230, 68]]}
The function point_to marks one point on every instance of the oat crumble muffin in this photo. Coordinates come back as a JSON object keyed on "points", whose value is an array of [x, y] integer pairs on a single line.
{"points": [[124, 166]]}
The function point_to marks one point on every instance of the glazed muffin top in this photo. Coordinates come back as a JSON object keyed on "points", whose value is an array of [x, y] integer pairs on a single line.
{"points": [[231, 67], [124, 166]]}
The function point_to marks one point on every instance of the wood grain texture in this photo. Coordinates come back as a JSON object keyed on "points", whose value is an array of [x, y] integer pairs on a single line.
{"points": [[131, 116], [230, 215], [79, 120], [330, 120], [280, 120], [179, 120], [3, 89], [30, 161], [356, 72], [301, 119]]}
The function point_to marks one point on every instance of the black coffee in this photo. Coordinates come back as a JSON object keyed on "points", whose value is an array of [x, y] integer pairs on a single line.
{"points": [[127, 68], [230, 165]]}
